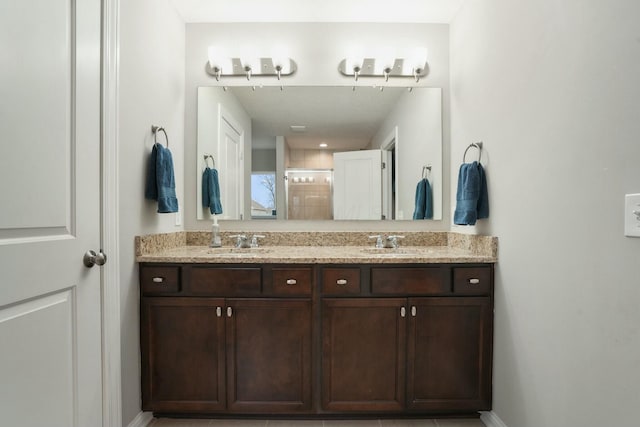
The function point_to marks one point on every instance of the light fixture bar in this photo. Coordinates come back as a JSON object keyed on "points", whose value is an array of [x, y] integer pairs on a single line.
{"points": [[400, 68], [264, 67]]}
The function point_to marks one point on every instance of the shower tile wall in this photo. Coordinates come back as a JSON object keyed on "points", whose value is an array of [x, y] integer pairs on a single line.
{"points": [[309, 194], [310, 200], [311, 159]]}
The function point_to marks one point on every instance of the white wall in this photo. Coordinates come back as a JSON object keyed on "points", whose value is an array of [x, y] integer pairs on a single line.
{"points": [[209, 101], [551, 87], [419, 143], [317, 48], [151, 91]]}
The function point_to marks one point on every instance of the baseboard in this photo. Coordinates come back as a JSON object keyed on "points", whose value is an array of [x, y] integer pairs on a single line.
{"points": [[490, 419], [143, 419]]}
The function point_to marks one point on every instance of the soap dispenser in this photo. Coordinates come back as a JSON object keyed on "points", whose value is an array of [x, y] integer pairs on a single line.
{"points": [[215, 234]]}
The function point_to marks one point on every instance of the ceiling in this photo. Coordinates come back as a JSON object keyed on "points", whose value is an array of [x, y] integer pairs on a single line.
{"points": [[337, 115], [414, 11]]}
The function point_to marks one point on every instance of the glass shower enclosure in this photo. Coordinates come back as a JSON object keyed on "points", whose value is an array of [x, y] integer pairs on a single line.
{"points": [[309, 193]]}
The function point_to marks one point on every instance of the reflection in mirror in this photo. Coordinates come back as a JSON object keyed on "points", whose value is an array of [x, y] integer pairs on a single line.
{"points": [[321, 152]]}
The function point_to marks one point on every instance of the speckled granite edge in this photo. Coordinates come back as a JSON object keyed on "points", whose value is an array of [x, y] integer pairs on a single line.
{"points": [[477, 245], [322, 238], [486, 246], [158, 242]]}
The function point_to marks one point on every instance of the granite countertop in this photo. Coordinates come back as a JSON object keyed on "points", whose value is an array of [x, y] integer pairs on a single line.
{"points": [[319, 247]]}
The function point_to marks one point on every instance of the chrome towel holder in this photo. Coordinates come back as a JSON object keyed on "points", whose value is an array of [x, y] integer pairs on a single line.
{"points": [[213, 161], [477, 145], [426, 170], [155, 130]]}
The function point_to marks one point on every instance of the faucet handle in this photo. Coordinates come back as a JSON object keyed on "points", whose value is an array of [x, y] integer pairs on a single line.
{"points": [[254, 240], [241, 240], [378, 238], [392, 241]]}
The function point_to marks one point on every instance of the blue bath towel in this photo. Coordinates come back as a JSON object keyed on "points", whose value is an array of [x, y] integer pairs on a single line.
{"points": [[161, 183], [472, 198], [211, 191], [423, 200]]}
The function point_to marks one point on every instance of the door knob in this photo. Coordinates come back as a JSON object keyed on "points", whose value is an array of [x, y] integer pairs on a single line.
{"points": [[92, 258]]}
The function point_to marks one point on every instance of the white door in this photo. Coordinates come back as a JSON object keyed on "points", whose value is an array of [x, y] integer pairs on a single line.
{"points": [[50, 330], [231, 168], [357, 185]]}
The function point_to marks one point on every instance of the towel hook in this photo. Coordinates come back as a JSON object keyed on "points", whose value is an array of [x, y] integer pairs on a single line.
{"points": [[426, 168], [477, 145], [213, 161], [155, 130]]}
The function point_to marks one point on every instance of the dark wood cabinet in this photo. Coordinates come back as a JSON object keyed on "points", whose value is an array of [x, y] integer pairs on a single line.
{"points": [[205, 354], [363, 354], [414, 341], [449, 354], [269, 355], [309, 340], [183, 348]]}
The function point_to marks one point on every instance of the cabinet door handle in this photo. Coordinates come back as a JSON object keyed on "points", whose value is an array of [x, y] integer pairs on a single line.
{"points": [[413, 311], [474, 281], [219, 311], [229, 312], [291, 281], [158, 279], [341, 282], [403, 312]]}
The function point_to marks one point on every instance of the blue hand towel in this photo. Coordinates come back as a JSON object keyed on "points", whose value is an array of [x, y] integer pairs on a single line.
{"points": [[211, 191], [472, 199], [160, 182], [423, 200]]}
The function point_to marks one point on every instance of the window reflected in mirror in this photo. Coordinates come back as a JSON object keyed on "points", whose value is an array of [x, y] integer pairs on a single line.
{"points": [[263, 195]]}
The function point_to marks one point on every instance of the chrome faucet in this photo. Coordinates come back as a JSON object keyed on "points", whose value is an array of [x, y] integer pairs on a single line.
{"points": [[254, 240], [387, 241], [242, 241]]}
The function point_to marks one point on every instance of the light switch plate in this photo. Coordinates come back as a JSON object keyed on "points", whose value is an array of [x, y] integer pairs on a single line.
{"points": [[632, 215]]}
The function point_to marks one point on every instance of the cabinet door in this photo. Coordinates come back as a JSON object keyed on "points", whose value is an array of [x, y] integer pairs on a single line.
{"points": [[363, 354], [182, 342], [269, 355], [449, 354]]}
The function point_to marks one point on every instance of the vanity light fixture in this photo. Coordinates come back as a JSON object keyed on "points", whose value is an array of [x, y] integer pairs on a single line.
{"points": [[221, 65], [410, 64]]}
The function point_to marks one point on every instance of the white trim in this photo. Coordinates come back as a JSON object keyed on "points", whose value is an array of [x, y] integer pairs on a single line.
{"points": [[111, 365], [490, 419], [143, 419]]}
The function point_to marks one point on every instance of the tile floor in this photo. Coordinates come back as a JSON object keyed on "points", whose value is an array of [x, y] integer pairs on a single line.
{"points": [[167, 422]]}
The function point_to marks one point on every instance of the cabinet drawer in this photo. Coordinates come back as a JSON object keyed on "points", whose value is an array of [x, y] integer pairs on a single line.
{"points": [[159, 280], [291, 281], [410, 280], [472, 280], [225, 281], [341, 281]]}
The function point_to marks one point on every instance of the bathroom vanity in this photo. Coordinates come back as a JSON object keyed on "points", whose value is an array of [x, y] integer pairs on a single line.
{"points": [[316, 331]]}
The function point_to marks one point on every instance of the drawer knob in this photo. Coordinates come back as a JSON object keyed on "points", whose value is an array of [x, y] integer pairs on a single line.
{"points": [[341, 282], [158, 279], [474, 281], [291, 281], [219, 311]]}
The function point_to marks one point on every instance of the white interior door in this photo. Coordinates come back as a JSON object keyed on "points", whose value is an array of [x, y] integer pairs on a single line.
{"points": [[357, 185], [231, 166], [50, 330]]}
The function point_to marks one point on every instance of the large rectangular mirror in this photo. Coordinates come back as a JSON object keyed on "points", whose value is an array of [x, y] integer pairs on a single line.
{"points": [[320, 152]]}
